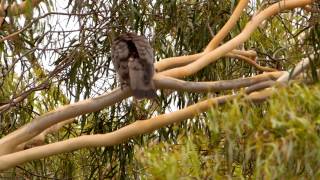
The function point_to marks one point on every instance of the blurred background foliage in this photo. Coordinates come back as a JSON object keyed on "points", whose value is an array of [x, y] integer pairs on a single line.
{"points": [[64, 57]]}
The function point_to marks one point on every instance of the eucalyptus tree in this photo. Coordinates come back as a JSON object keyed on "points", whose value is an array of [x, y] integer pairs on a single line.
{"points": [[55, 53]]}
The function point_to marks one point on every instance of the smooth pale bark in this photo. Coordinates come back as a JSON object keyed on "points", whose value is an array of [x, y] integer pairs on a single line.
{"points": [[173, 62], [213, 86], [27, 132], [227, 27], [11, 141], [183, 60], [137, 128], [32, 129], [220, 51], [116, 137], [109, 139]]}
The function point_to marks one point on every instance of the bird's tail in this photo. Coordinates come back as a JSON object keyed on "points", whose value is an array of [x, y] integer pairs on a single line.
{"points": [[144, 91], [141, 86], [141, 82]]}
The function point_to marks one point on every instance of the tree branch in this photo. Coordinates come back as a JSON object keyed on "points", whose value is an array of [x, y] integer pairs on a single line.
{"points": [[173, 62], [171, 83], [32, 129], [236, 41], [227, 27], [10, 142], [137, 128], [251, 62], [40, 139]]}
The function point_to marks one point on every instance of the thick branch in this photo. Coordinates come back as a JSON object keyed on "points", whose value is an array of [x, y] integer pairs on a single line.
{"points": [[259, 86], [137, 128], [184, 60], [232, 44], [38, 125], [228, 26], [171, 83], [174, 62], [9, 142], [40, 139], [109, 139]]}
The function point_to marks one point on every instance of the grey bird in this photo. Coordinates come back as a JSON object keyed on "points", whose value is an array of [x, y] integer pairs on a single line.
{"points": [[133, 58]]}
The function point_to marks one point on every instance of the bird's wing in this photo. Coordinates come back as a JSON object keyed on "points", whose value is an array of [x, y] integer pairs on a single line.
{"points": [[146, 57], [120, 54]]}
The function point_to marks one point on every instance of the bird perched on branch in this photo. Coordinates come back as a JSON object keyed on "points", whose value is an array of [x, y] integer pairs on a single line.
{"points": [[133, 58]]}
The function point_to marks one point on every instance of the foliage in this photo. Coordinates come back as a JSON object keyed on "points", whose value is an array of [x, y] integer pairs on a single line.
{"points": [[277, 139], [68, 59]]}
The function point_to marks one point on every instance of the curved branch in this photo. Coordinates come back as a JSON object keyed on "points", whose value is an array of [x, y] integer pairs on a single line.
{"points": [[171, 83], [11, 141], [233, 43], [116, 137], [109, 139], [184, 60], [38, 125], [137, 128], [259, 86], [173, 62], [227, 27], [251, 62], [40, 139], [303, 64]]}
